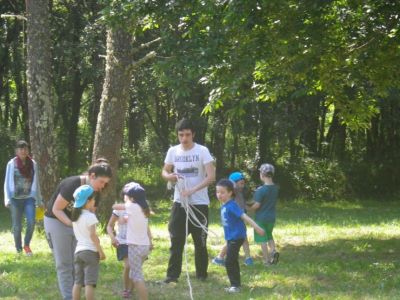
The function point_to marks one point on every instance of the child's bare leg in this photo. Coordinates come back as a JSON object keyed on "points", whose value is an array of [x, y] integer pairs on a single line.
{"points": [[127, 281], [222, 253], [141, 289], [271, 245], [246, 248], [274, 254], [76, 292], [264, 249], [89, 292]]}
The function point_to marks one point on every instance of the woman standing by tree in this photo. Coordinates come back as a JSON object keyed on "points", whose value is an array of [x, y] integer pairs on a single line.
{"points": [[22, 194], [58, 224]]}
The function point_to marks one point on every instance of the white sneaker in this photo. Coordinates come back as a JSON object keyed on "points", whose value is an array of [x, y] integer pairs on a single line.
{"points": [[232, 289]]}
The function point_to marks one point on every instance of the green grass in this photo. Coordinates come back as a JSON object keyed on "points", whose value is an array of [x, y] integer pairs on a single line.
{"points": [[339, 250]]}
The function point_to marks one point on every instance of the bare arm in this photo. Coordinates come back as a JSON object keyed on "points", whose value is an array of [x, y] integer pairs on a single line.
{"points": [[254, 206], [118, 206], [168, 174], [58, 210], [210, 178], [150, 237], [253, 224], [110, 230], [96, 241]]}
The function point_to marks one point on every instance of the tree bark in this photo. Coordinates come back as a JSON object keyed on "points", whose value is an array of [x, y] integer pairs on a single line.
{"points": [[40, 102], [218, 142], [115, 95]]}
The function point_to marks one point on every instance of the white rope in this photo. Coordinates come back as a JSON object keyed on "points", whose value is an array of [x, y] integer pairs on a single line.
{"points": [[190, 210]]}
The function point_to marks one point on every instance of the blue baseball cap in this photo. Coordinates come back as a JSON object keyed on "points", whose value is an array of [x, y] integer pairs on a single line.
{"points": [[137, 192], [82, 194], [236, 176]]}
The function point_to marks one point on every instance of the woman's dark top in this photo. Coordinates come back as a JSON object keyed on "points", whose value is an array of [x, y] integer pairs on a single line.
{"points": [[66, 188]]}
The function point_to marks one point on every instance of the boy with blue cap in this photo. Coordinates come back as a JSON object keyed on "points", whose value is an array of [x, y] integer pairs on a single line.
{"points": [[239, 186], [88, 250]]}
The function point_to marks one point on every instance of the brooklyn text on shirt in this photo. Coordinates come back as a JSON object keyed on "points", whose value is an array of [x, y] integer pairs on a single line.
{"points": [[187, 158]]}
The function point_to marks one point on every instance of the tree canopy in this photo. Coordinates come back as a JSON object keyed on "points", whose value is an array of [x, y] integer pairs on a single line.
{"points": [[310, 86]]}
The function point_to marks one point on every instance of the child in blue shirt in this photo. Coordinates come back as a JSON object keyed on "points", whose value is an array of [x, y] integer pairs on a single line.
{"points": [[240, 198], [232, 217]]}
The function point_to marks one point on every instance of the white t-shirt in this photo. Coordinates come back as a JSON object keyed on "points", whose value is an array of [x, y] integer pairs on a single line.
{"points": [[122, 225], [191, 165], [137, 225], [82, 232]]}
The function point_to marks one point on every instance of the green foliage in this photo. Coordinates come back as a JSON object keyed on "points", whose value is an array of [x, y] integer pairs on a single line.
{"points": [[312, 178], [289, 80], [7, 142], [143, 168]]}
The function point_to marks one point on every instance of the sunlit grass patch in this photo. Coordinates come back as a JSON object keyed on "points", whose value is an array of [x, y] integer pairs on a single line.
{"points": [[329, 250]]}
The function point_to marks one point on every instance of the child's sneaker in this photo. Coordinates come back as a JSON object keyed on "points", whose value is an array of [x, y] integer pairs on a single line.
{"points": [[218, 261], [232, 290], [275, 258], [28, 251], [248, 261]]}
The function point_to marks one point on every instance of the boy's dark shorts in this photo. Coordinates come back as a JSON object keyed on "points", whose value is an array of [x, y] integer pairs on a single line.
{"points": [[122, 251], [86, 264]]}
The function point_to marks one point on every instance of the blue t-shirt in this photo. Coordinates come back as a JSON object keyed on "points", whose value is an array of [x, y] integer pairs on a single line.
{"points": [[234, 227], [267, 196]]}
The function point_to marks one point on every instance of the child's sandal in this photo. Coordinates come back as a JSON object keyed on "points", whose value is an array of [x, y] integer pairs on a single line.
{"points": [[126, 294], [275, 258]]}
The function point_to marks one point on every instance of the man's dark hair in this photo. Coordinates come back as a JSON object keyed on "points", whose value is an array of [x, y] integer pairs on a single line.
{"points": [[185, 124]]}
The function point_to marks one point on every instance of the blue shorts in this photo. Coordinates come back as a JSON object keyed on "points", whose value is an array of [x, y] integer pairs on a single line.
{"points": [[122, 251]]}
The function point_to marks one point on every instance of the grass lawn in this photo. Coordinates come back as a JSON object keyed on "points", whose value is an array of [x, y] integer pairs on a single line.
{"points": [[337, 250]]}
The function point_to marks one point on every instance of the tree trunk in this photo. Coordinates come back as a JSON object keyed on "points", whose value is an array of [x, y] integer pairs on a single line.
{"points": [[336, 137], [264, 136], [235, 144], [40, 104], [218, 145], [114, 99]]}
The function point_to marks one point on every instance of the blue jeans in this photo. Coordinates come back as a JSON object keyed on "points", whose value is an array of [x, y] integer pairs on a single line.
{"points": [[18, 207]]}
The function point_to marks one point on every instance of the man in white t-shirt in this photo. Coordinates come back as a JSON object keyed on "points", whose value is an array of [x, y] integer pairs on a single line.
{"points": [[194, 165]]}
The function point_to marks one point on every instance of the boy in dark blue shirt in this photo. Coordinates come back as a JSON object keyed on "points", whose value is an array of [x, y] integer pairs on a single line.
{"points": [[232, 217]]}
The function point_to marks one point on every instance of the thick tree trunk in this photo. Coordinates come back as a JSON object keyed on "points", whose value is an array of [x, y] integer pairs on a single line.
{"points": [[40, 104], [77, 86], [110, 123]]}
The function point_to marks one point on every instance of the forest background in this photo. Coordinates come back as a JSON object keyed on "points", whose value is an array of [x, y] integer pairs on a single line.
{"points": [[309, 86]]}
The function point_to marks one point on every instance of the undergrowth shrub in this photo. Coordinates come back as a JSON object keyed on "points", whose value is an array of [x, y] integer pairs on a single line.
{"points": [[312, 178]]}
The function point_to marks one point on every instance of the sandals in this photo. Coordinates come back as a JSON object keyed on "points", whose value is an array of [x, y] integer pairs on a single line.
{"points": [[126, 294], [275, 258]]}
